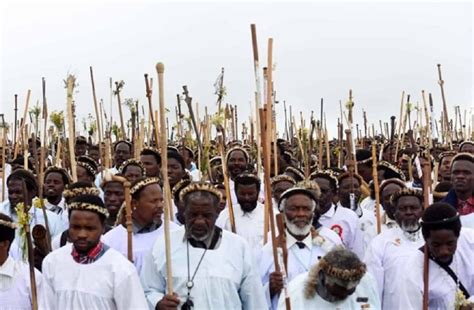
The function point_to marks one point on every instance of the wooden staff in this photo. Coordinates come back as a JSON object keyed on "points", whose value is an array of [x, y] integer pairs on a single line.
{"points": [[150, 107], [445, 108], [282, 242], [29, 244], [400, 121], [97, 116], [23, 122], [376, 186], [4, 137], [230, 206], [70, 84], [326, 141], [128, 221], [160, 68], [15, 124], [426, 195], [122, 124]]}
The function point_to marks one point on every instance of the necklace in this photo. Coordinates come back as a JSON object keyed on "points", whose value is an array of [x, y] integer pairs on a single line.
{"points": [[188, 304]]}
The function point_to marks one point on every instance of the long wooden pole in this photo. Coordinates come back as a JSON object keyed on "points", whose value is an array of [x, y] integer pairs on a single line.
{"points": [[70, 83], [29, 244], [426, 193], [376, 187], [445, 109], [160, 69], [128, 220], [119, 103], [97, 116], [23, 122], [4, 137]]}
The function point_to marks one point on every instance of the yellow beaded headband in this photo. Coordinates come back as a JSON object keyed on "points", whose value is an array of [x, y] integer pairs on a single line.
{"points": [[73, 192], [84, 206], [282, 177], [141, 184], [200, 187]]}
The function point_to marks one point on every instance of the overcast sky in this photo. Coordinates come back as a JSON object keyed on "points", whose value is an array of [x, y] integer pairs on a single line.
{"points": [[321, 50]]}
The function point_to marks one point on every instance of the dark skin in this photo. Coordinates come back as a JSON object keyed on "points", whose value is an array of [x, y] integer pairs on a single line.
{"points": [[467, 148], [200, 218], [85, 230], [175, 172], [132, 173], [15, 193], [442, 244], [345, 187], [94, 153], [4, 249], [444, 173], [223, 201], [236, 163], [113, 198], [408, 209], [333, 289], [148, 208], [462, 178], [83, 175], [152, 167], [247, 196], [279, 188], [385, 196], [299, 211], [53, 187], [365, 171], [122, 153], [80, 149], [326, 199]]}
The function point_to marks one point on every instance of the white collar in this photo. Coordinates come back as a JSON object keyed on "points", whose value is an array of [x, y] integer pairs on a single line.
{"points": [[330, 213], [8, 267], [290, 240]]}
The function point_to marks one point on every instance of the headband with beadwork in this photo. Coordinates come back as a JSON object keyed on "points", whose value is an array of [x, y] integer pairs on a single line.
{"points": [[325, 174], [200, 187], [180, 185], [8, 224], [406, 192], [296, 190], [141, 184], [392, 167], [85, 206], [311, 185], [131, 161], [295, 171], [86, 166], [73, 192], [237, 148], [59, 170], [282, 177], [342, 273]]}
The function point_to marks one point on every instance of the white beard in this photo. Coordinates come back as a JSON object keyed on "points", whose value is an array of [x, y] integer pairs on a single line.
{"points": [[295, 230], [409, 226]]}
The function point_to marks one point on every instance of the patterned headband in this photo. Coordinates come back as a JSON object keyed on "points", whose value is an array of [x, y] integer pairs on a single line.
{"points": [[200, 187], [8, 224], [84, 206], [141, 184]]}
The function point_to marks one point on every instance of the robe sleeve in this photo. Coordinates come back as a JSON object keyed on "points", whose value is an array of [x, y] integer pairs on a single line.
{"points": [[357, 245], [373, 259], [251, 289], [48, 301], [153, 283], [128, 294]]}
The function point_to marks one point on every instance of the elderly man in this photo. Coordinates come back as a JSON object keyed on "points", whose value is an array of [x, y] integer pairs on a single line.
{"points": [[338, 281], [305, 244], [451, 276], [388, 252], [212, 268]]}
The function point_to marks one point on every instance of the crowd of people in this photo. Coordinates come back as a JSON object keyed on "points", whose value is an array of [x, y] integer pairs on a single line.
{"points": [[347, 241]]}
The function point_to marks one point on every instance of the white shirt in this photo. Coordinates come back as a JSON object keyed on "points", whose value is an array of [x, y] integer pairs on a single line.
{"points": [[63, 213], [442, 288], [467, 220], [386, 257], [111, 282], [366, 289], [299, 260], [15, 288], [8, 170], [141, 243], [346, 224], [226, 278]]}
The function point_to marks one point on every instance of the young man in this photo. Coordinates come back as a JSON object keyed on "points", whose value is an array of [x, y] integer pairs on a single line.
{"points": [[55, 181], [87, 274], [305, 244], [212, 268], [461, 196], [388, 252], [450, 273], [338, 281]]}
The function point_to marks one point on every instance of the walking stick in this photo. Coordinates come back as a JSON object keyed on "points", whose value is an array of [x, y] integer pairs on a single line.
{"points": [[22, 122], [426, 193], [97, 116], [445, 109], [118, 87], [160, 68], [376, 187], [282, 241], [15, 125], [128, 220], [70, 84]]}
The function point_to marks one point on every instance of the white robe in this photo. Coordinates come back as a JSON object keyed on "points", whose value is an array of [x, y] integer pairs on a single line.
{"points": [[226, 278], [15, 289], [141, 243], [467, 220], [345, 223], [367, 288], [299, 260], [386, 257], [442, 288], [111, 282], [63, 215]]}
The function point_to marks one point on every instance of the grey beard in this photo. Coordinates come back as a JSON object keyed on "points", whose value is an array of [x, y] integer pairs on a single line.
{"points": [[409, 226], [295, 230]]}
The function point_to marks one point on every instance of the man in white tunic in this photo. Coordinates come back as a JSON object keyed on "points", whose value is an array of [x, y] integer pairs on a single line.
{"points": [[343, 221], [55, 181], [147, 210], [212, 268], [338, 281], [388, 252], [305, 244], [88, 274], [451, 272], [15, 288]]}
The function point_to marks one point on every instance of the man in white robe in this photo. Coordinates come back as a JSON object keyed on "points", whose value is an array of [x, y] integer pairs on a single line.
{"points": [[88, 274], [451, 248], [305, 244], [338, 281], [388, 252], [55, 181], [211, 268], [15, 285]]}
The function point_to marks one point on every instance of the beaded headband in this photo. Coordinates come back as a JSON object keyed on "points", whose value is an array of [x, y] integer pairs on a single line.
{"points": [[347, 174], [295, 171], [73, 192], [310, 185], [86, 166], [392, 167], [84, 206], [406, 192], [247, 175], [200, 187], [237, 148], [293, 191], [141, 184], [131, 161], [329, 174], [8, 224], [282, 177], [342, 273], [180, 185], [59, 170], [391, 181]]}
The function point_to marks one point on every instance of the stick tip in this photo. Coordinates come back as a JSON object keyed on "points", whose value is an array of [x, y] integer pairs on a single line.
{"points": [[439, 65], [160, 67]]}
